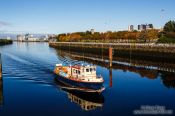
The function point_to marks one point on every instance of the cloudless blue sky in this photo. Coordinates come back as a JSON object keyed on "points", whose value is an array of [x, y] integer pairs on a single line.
{"points": [[58, 16]]}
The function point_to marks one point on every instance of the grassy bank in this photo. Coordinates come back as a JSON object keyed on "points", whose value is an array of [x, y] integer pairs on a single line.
{"points": [[5, 41]]}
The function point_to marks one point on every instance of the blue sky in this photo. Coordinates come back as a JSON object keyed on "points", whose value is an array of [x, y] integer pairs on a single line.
{"points": [[59, 16]]}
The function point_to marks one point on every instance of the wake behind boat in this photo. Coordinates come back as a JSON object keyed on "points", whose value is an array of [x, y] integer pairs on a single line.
{"points": [[82, 78]]}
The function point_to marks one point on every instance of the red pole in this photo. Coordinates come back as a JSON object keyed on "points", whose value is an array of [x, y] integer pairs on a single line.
{"points": [[110, 56], [110, 76]]}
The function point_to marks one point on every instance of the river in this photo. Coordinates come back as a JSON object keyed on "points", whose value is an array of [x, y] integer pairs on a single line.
{"points": [[29, 87]]}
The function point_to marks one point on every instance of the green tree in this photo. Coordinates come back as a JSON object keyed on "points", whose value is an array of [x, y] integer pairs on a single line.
{"points": [[169, 26]]}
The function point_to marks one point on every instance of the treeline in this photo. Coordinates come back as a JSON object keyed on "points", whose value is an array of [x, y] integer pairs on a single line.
{"points": [[151, 35], [5, 41], [121, 36]]}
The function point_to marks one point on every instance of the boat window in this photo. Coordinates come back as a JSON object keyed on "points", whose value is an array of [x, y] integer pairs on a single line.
{"points": [[76, 72], [94, 69], [91, 70], [79, 72], [87, 70]]}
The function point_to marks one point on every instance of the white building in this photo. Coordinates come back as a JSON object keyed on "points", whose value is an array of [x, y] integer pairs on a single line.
{"points": [[20, 37], [32, 39], [131, 28], [92, 31]]}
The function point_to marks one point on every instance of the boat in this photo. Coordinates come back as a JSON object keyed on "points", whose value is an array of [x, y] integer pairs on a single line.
{"points": [[80, 77]]}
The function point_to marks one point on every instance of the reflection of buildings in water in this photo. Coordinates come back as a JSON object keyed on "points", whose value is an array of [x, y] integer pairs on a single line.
{"points": [[85, 105], [1, 92]]}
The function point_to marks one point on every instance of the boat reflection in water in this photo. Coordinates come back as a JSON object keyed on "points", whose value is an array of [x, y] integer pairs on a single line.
{"points": [[87, 101]]}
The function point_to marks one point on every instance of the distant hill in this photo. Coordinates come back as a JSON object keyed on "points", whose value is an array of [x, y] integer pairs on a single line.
{"points": [[4, 36]]}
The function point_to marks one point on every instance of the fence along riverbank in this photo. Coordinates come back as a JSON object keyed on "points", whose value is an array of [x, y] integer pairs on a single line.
{"points": [[168, 48], [150, 51]]}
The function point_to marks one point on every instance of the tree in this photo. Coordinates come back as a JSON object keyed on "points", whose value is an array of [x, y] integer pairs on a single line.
{"points": [[142, 36], [169, 26], [169, 31], [152, 34]]}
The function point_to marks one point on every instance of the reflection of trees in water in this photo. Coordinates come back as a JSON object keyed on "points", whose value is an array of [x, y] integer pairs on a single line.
{"points": [[168, 79], [143, 72], [137, 66]]}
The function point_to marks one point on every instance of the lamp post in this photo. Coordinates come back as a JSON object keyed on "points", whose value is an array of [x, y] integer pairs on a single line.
{"points": [[162, 13]]}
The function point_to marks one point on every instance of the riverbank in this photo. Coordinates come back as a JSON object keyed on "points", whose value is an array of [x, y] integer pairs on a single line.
{"points": [[30, 41], [169, 48], [5, 42], [157, 52]]}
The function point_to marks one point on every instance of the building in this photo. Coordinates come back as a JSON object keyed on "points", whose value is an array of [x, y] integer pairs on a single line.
{"points": [[92, 31], [52, 38], [32, 38], [150, 26], [44, 38], [20, 37], [145, 27], [131, 28]]}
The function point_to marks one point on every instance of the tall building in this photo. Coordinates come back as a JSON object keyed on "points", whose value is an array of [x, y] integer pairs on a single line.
{"points": [[151, 26], [145, 27], [92, 31], [131, 28]]}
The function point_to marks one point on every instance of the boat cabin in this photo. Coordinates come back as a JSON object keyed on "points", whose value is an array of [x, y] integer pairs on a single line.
{"points": [[83, 71], [77, 71]]}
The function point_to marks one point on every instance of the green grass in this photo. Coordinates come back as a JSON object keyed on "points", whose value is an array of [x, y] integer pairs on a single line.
{"points": [[5, 41]]}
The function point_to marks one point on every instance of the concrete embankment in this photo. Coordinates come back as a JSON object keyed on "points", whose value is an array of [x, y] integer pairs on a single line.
{"points": [[141, 51]]}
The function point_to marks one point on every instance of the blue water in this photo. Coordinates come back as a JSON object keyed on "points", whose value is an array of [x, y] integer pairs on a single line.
{"points": [[29, 87]]}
